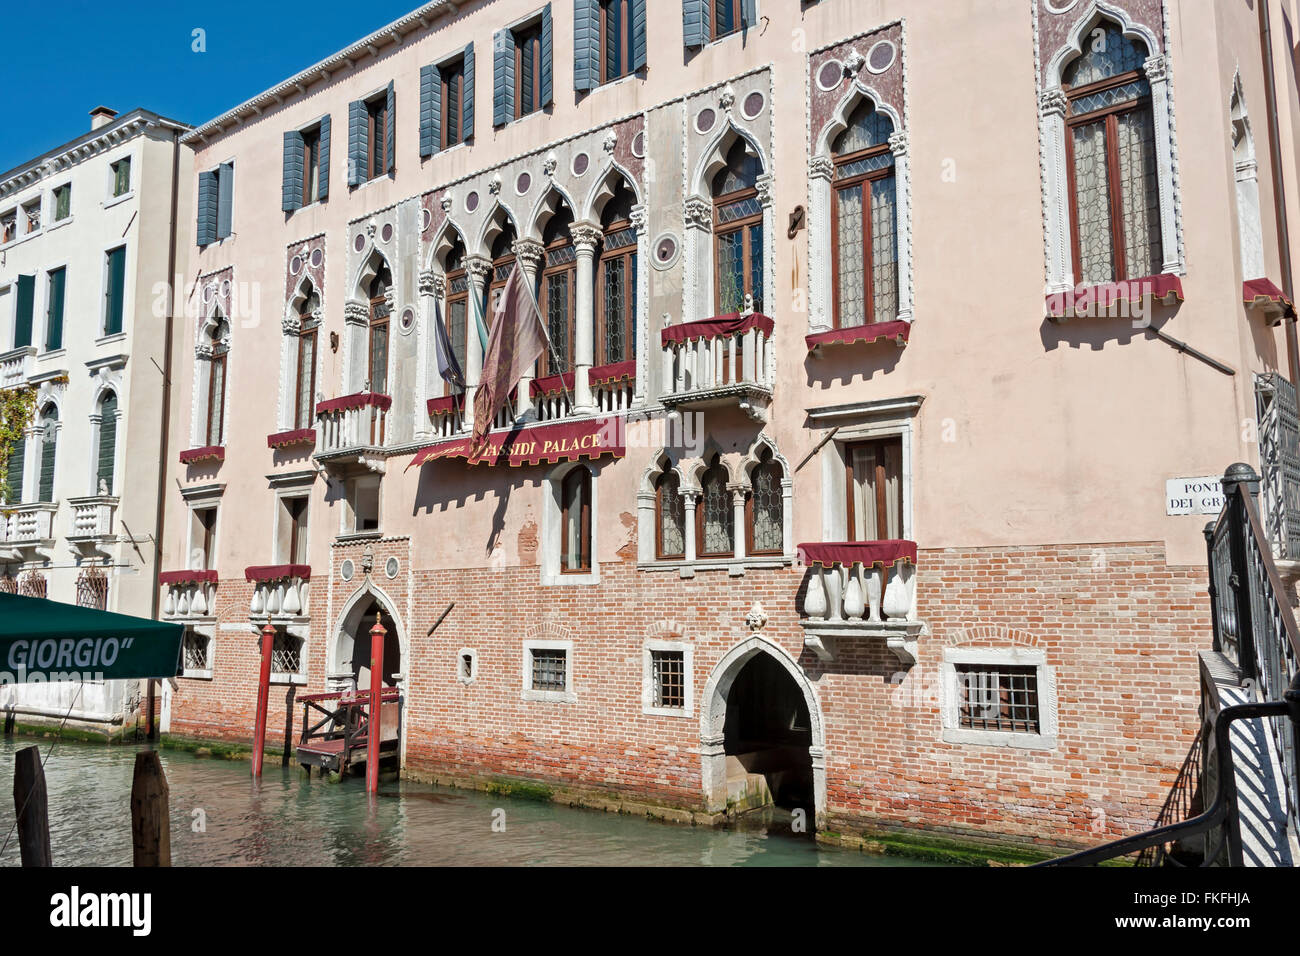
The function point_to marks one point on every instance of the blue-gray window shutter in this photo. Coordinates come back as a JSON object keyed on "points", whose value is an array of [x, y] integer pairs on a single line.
{"points": [[547, 86], [586, 44], [206, 230], [503, 77], [748, 14], [638, 34], [291, 179], [695, 22], [358, 142], [25, 305], [390, 130], [323, 177], [430, 110], [467, 95], [225, 198]]}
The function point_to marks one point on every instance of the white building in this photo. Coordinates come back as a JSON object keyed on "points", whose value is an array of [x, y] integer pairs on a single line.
{"points": [[88, 239]]}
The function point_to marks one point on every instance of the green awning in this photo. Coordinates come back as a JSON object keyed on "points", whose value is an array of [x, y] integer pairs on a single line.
{"points": [[42, 641]]}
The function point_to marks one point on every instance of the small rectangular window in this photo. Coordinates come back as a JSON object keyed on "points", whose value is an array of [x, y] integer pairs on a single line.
{"points": [[114, 289], [575, 521], [63, 202], [31, 217], [998, 698], [8, 226], [874, 490], [196, 654], [291, 531], [286, 655], [668, 671], [466, 666], [363, 499], [453, 92], [121, 177], [203, 539], [56, 293], [310, 165], [377, 132], [549, 669], [528, 70]]}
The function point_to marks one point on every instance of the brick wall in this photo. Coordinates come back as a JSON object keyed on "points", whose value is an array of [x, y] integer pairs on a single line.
{"points": [[1120, 627]]}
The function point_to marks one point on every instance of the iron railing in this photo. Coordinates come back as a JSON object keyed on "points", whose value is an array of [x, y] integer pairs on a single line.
{"points": [[1184, 802], [1279, 460]]}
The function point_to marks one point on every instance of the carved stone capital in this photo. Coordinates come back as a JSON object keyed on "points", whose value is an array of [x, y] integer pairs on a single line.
{"points": [[821, 167], [203, 351], [610, 142], [478, 268], [1053, 102], [1156, 68], [429, 282], [529, 252], [291, 325], [356, 313], [586, 236], [766, 187], [640, 219], [698, 213]]}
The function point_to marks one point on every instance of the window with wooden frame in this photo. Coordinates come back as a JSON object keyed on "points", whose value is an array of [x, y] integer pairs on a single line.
{"points": [[377, 137], [670, 517], [49, 445], [616, 280], [305, 372], [765, 507], [873, 477], [215, 425], [121, 177], [1111, 156], [291, 537], [63, 202], [715, 518], [738, 232], [728, 17], [203, 539], [559, 290], [615, 39], [378, 341], [452, 77], [575, 521], [668, 679], [457, 316], [528, 69], [310, 165], [864, 217]]}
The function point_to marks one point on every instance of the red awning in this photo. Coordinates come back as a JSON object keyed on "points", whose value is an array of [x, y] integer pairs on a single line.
{"points": [[868, 553], [1091, 300], [444, 405], [597, 376], [717, 327], [897, 332], [206, 453], [1258, 292], [299, 436], [359, 400], [539, 444], [277, 572], [188, 577]]}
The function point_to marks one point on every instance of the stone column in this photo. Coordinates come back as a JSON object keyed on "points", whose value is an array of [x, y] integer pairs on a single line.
{"points": [[1156, 69], [529, 254], [477, 270], [820, 272], [586, 236], [903, 223], [697, 255], [432, 287], [689, 500], [641, 347], [356, 322], [738, 518], [1052, 105]]}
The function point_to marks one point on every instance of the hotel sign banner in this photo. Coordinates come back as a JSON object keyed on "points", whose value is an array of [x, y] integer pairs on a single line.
{"points": [[1194, 496], [543, 444]]}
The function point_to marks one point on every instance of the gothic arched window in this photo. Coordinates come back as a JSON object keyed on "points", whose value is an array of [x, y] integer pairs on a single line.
{"points": [[670, 517], [457, 317], [714, 517], [616, 281], [305, 371], [738, 231], [215, 425], [378, 345], [864, 216], [559, 290], [765, 507]]}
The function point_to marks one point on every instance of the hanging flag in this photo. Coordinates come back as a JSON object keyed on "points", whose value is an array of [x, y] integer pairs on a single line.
{"points": [[515, 343], [444, 354]]}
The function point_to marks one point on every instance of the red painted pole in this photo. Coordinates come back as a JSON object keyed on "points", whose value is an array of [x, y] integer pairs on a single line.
{"points": [[377, 635], [263, 696]]}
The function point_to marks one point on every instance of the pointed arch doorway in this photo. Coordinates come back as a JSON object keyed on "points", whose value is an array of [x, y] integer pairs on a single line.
{"points": [[762, 739], [350, 660]]}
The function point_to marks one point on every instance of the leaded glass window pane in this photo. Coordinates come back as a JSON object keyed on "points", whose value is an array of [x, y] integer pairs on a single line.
{"points": [[719, 518], [1104, 56], [741, 209], [557, 318], [767, 507], [731, 272], [306, 377], [756, 265], [1139, 193], [884, 250], [848, 251], [1092, 204], [868, 164], [379, 358], [615, 309], [672, 517], [457, 330], [741, 172], [1111, 97]]}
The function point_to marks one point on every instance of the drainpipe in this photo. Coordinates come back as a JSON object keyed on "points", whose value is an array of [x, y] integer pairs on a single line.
{"points": [[159, 517], [1279, 185]]}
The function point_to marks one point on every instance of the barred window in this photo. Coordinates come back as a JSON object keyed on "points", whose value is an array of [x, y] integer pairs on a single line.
{"points": [[549, 669], [286, 653], [196, 652], [668, 673], [92, 589], [998, 698], [864, 217], [1111, 144]]}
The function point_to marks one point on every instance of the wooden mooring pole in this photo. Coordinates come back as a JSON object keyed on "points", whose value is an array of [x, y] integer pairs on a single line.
{"points": [[263, 697], [377, 634], [32, 806], [151, 833]]}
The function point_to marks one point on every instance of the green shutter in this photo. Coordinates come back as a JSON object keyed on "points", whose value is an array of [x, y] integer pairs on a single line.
{"points": [[503, 77], [225, 199], [206, 227], [358, 142], [54, 311], [390, 130], [586, 44], [638, 34], [292, 171], [13, 484], [24, 308], [430, 110], [748, 14], [547, 33], [48, 443], [116, 291], [323, 176], [107, 442], [467, 95], [695, 22]]}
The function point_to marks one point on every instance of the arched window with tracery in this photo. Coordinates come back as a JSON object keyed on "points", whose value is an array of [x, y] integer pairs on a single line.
{"points": [[670, 517], [738, 231], [503, 262], [377, 364], [864, 217], [305, 369], [1111, 147], [457, 317], [764, 509], [214, 427], [715, 524], [616, 289], [559, 290]]}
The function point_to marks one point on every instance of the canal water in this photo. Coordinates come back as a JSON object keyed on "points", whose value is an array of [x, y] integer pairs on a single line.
{"points": [[220, 817]]}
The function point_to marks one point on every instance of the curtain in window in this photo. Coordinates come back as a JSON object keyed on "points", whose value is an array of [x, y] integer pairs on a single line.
{"points": [[867, 524], [1092, 203], [1139, 193], [107, 444], [672, 517]]}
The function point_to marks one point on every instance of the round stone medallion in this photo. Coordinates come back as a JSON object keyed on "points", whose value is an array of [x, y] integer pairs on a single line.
{"points": [[705, 119], [829, 76], [666, 249], [523, 183], [347, 569], [753, 105], [471, 201], [386, 233], [391, 567], [359, 242], [580, 163], [317, 257], [881, 56]]}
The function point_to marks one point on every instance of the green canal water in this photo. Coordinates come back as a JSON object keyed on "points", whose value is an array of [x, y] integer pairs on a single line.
{"points": [[288, 820]]}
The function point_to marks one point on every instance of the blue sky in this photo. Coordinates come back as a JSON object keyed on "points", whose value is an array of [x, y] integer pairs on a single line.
{"points": [[65, 58]]}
